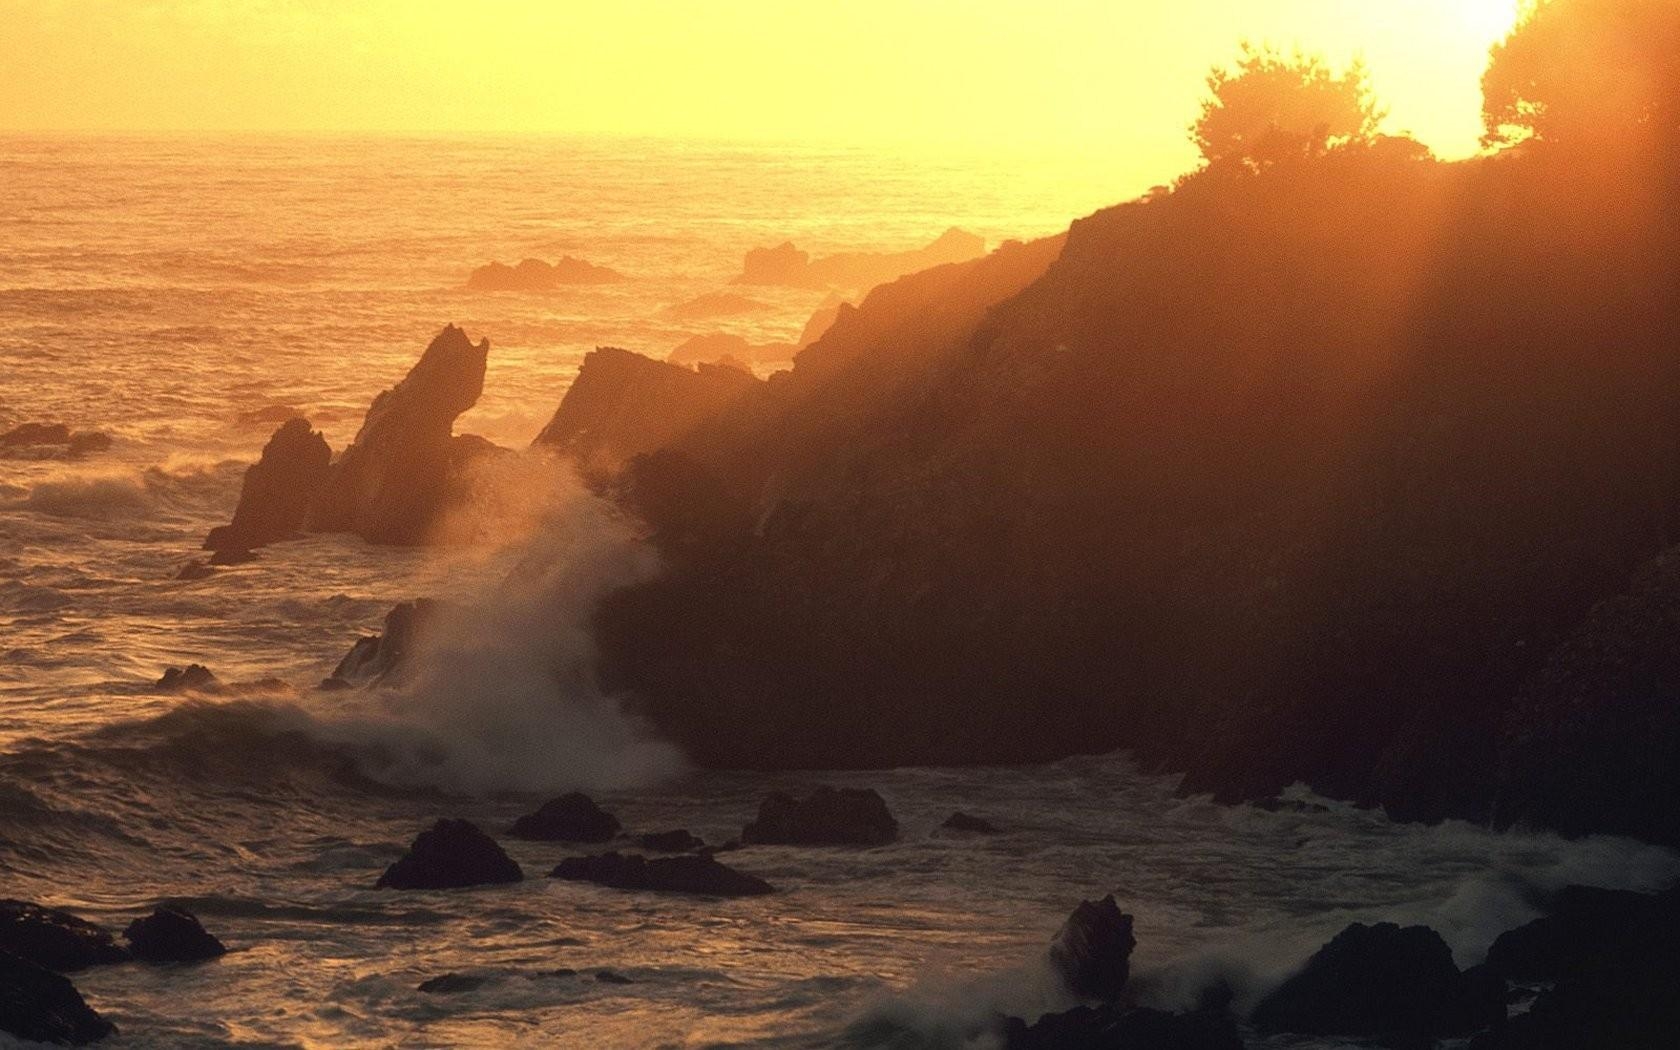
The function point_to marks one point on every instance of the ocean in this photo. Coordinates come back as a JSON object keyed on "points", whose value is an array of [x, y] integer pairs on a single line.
{"points": [[160, 289]]}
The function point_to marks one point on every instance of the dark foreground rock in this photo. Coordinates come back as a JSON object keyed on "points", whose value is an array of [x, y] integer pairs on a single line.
{"points": [[701, 875], [54, 939], [1093, 950], [171, 935], [378, 658], [275, 498], [960, 821], [194, 678], [828, 817], [1387, 981], [1122, 1028], [452, 854], [398, 477], [573, 817], [43, 1007], [679, 841]]}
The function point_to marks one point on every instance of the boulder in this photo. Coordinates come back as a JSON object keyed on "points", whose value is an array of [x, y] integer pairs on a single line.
{"points": [[573, 817], [194, 678], [1122, 1028], [397, 478], [452, 854], [535, 275], [1382, 980], [960, 821], [1093, 950], [701, 875], [379, 658], [40, 1006], [275, 498], [171, 935], [828, 817], [679, 841], [54, 939]]}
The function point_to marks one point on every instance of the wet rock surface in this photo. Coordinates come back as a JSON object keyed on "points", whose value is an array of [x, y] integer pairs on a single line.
{"points": [[278, 490], [1093, 950], [54, 939], [572, 817], [44, 1007], [452, 854], [171, 935]]}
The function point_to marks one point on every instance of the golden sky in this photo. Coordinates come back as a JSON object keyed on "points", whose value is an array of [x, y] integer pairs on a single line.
{"points": [[1111, 76]]}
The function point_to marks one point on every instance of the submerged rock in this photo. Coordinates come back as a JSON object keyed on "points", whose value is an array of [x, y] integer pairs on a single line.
{"points": [[396, 479], [53, 440], [573, 817], [679, 841], [1093, 950], [701, 875], [44, 1007], [197, 569], [1122, 1028], [54, 939], [452, 854], [278, 490], [609, 977], [451, 984], [383, 657], [535, 275], [1382, 980], [30, 434], [960, 821], [788, 266], [828, 817], [194, 678], [170, 935]]}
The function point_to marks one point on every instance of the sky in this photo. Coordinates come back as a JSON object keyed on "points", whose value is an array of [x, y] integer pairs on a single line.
{"points": [[1110, 76]]}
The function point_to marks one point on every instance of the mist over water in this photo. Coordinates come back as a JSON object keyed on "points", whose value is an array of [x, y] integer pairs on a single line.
{"points": [[159, 289]]}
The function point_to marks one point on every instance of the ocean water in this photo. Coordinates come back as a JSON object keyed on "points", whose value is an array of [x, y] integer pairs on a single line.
{"points": [[157, 289]]}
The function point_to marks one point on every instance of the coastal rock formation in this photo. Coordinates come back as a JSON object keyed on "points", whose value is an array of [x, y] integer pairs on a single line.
{"points": [[278, 490], [679, 841], [171, 935], [714, 304], [383, 658], [194, 678], [700, 875], [51, 440], [721, 349], [1122, 1028], [398, 476], [54, 939], [572, 817], [534, 275], [826, 817], [40, 1006], [1092, 952], [451, 854], [788, 266], [1383, 980], [623, 404]]}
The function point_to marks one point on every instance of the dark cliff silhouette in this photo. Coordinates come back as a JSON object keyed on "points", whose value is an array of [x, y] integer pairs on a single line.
{"points": [[1313, 468]]}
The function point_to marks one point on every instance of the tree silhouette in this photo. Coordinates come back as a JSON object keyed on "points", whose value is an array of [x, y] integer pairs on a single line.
{"points": [[1270, 109], [1586, 72]]}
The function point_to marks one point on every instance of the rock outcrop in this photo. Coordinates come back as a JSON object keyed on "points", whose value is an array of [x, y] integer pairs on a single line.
{"points": [[54, 939], [452, 854], [52, 440], [788, 266], [572, 817], [171, 935], [534, 275], [194, 678], [278, 490], [385, 658], [623, 404], [40, 1006], [700, 875], [826, 817], [397, 478], [1092, 952], [1383, 980]]}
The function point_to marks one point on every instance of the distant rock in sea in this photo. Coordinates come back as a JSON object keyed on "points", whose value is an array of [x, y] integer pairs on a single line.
{"points": [[55, 939], [826, 817], [534, 275], [194, 678], [700, 875], [52, 440], [40, 1006], [397, 478], [788, 266], [171, 935], [279, 488], [960, 821], [714, 304], [451, 854], [572, 817]]}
